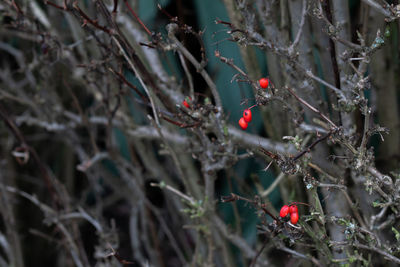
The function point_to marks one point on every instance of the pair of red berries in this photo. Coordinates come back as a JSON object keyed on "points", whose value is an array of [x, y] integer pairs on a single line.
{"points": [[292, 210], [244, 121]]}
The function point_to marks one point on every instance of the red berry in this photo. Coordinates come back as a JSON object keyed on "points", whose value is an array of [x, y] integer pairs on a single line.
{"points": [[243, 123], [185, 101], [284, 211], [294, 217], [186, 104], [247, 115], [264, 82], [293, 209]]}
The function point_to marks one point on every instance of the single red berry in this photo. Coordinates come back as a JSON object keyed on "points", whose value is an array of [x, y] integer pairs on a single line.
{"points": [[293, 209], [247, 115], [294, 217], [284, 211], [264, 82], [243, 123], [185, 103]]}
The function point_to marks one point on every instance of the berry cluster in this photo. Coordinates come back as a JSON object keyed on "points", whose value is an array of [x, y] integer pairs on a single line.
{"points": [[244, 121], [292, 210]]}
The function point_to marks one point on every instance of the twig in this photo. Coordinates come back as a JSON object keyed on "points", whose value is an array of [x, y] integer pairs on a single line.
{"points": [[122, 78], [308, 149], [172, 28], [137, 18], [317, 168], [241, 137], [54, 5], [312, 108], [335, 89], [230, 63], [235, 197], [122, 51], [149, 132], [379, 251], [385, 179], [115, 8], [187, 73], [273, 185], [84, 166], [363, 145], [16, 6], [378, 7], [253, 262], [378, 216], [180, 124], [300, 31], [89, 20], [300, 255], [175, 191], [235, 239], [118, 257]]}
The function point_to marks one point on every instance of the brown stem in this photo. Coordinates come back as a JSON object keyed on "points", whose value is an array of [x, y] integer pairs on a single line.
{"points": [[253, 262], [312, 108], [17, 7], [90, 21], [234, 197], [308, 149], [180, 124], [115, 6], [137, 18], [54, 5], [122, 78], [327, 9]]}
